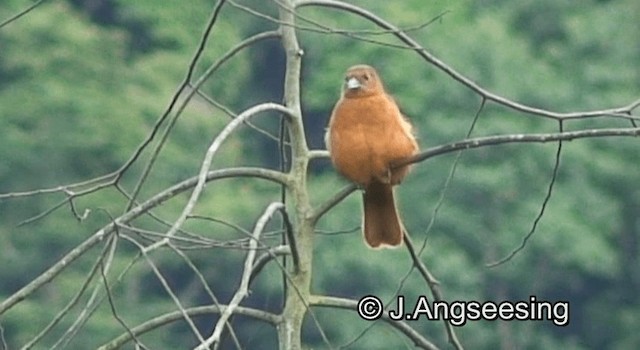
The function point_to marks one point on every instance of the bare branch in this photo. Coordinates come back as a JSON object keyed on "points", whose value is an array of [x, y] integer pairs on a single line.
{"points": [[194, 87], [502, 139], [358, 34], [621, 112], [112, 178], [295, 308], [232, 115], [57, 189], [54, 270], [477, 142], [447, 182], [3, 340], [262, 261], [185, 82], [547, 197], [288, 229], [348, 304], [205, 285], [318, 153], [432, 283], [434, 286], [337, 198], [74, 300], [230, 225], [206, 164], [112, 305], [167, 288], [243, 289], [100, 235], [519, 138], [192, 312], [321, 28], [21, 13]]}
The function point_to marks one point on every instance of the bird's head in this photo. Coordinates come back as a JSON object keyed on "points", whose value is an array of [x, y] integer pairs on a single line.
{"points": [[361, 81]]}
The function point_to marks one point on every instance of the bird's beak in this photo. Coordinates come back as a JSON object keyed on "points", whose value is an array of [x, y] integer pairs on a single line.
{"points": [[353, 83]]}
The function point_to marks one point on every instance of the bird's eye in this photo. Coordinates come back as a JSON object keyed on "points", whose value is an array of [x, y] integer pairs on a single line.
{"points": [[366, 77]]}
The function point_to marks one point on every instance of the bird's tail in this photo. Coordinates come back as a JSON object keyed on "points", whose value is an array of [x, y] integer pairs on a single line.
{"points": [[382, 224]]}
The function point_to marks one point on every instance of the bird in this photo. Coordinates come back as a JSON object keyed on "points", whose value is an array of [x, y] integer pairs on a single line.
{"points": [[367, 134]]}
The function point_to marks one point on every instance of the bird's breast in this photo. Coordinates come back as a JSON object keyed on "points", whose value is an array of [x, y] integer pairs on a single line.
{"points": [[364, 135]]}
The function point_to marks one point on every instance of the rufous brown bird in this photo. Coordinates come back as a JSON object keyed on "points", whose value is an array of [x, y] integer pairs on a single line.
{"points": [[367, 134]]}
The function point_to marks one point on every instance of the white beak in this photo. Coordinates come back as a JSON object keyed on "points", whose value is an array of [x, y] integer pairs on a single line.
{"points": [[353, 83]]}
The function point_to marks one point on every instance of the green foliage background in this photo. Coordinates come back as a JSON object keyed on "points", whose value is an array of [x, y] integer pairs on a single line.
{"points": [[83, 82]]}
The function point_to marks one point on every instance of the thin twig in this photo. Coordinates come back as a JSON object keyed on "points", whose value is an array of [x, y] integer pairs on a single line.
{"points": [[196, 242], [206, 164], [185, 82], [37, 217], [288, 229], [348, 304], [113, 177], [167, 288], [21, 13], [228, 224], [175, 316], [104, 232], [243, 289], [519, 138], [485, 141], [74, 300], [53, 271], [233, 115], [94, 299], [449, 179], [417, 263], [114, 312], [338, 232], [321, 28], [204, 283], [194, 87], [434, 286], [547, 197], [3, 340], [265, 258], [331, 202], [359, 34], [620, 112], [288, 237]]}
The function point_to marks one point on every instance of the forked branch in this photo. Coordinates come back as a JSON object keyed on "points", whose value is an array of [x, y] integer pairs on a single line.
{"points": [[620, 112]]}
